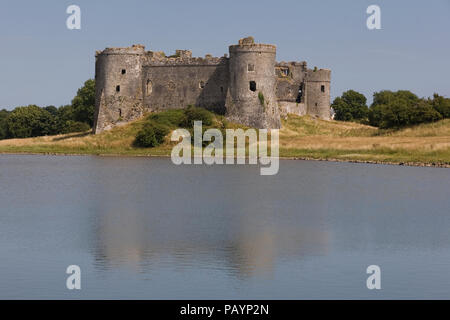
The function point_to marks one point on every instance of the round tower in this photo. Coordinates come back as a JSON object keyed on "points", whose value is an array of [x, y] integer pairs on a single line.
{"points": [[318, 93], [253, 85], [118, 86]]}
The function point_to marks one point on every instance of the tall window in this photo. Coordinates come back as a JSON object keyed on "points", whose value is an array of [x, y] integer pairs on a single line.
{"points": [[149, 87]]}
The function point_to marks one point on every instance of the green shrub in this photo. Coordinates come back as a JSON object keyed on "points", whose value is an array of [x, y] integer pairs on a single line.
{"points": [[151, 135], [161, 132], [192, 114], [146, 137], [261, 98]]}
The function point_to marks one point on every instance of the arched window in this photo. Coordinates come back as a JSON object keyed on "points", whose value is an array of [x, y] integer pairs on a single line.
{"points": [[149, 87]]}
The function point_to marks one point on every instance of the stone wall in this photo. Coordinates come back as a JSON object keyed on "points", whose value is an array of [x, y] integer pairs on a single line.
{"points": [[249, 86], [287, 107], [318, 93], [199, 82], [253, 85], [118, 86]]}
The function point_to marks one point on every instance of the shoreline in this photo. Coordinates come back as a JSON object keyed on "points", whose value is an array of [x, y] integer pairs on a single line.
{"points": [[393, 163]]}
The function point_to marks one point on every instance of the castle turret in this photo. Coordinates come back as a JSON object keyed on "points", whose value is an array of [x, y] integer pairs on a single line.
{"points": [[318, 93], [253, 85], [118, 83]]}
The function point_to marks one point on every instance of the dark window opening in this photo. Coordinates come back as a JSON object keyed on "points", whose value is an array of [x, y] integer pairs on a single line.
{"points": [[300, 94], [252, 86], [221, 89], [250, 67], [322, 88], [117, 88], [201, 84], [124, 71], [120, 113], [284, 71], [316, 104]]}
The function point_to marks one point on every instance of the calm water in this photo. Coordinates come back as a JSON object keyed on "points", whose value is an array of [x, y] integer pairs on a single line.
{"points": [[145, 228]]}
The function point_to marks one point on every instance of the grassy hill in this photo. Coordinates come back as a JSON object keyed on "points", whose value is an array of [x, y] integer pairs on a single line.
{"points": [[300, 137]]}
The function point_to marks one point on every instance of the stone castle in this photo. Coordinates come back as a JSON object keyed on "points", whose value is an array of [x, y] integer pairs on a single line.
{"points": [[249, 86]]}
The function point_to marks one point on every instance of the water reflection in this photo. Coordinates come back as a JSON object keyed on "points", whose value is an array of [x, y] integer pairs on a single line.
{"points": [[135, 239]]}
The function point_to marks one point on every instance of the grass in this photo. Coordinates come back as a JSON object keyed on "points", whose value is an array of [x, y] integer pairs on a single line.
{"points": [[300, 137], [304, 137]]}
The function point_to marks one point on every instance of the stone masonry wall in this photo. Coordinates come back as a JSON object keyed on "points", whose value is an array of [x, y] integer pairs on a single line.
{"points": [[131, 82]]}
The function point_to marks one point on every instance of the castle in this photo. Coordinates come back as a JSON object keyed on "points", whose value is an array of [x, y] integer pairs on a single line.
{"points": [[249, 86]]}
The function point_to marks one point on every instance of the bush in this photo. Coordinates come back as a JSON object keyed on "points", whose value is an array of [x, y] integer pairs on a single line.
{"points": [[261, 98], [151, 135], [161, 132], [192, 114], [350, 106], [146, 137]]}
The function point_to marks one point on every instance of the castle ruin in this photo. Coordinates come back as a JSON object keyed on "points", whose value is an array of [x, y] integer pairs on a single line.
{"points": [[249, 86]]}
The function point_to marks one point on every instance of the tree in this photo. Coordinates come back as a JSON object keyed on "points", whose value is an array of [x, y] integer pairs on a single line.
{"points": [[30, 121], [3, 129], [386, 97], [350, 106], [84, 103], [52, 109], [401, 108], [441, 105]]}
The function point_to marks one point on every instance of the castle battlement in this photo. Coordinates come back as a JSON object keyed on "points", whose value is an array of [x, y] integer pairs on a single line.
{"points": [[177, 60], [131, 82]]}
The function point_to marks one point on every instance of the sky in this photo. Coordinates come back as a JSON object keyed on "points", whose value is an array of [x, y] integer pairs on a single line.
{"points": [[43, 62]]}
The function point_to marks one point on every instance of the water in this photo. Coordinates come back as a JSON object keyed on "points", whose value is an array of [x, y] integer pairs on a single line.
{"points": [[143, 228]]}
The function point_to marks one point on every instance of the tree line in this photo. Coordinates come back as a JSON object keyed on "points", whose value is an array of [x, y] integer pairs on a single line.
{"points": [[390, 109], [32, 120]]}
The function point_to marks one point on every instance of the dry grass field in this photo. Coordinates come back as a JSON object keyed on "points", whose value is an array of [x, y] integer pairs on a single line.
{"points": [[300, 137], [304, 137]]}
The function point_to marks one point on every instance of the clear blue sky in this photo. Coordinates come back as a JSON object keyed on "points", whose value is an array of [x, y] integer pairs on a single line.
{"points": [[43, 63]]}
